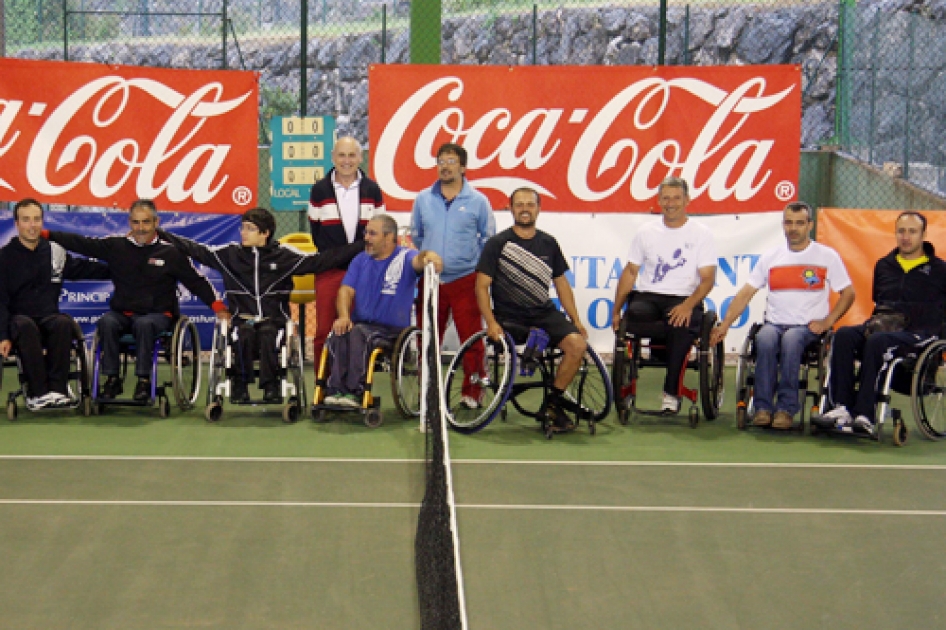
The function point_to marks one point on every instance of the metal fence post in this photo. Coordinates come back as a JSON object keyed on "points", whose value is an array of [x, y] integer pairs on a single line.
{"points": [[384, 32], [686, 35], [535, 34], [65, 29], [425, 20], [662, 34], [223, 33], [911, 37], [873, 89]]}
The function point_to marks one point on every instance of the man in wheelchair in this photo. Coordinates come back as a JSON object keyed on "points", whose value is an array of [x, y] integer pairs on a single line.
{"points": [[31, 273], [516, 268], [799, 275], [257, 276], [380, 284], [672, 260], [909, 293]]}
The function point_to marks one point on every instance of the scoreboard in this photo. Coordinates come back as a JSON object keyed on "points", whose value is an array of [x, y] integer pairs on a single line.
{"points": [[300, 156]]}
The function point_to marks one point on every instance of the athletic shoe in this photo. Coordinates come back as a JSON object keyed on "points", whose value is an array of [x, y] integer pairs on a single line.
{"points": [[112, 387], [238, 393], [863, 423], [333, 399], [271, 394], [783, 420], [468, 402], [39, 402], [841, 418], [343, 400], [762, 418], [669, 404], [560, 421], [59, 400], [142, 389]]}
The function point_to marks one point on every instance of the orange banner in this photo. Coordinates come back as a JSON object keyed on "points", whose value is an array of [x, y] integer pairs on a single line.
{"points": [[862, 237], [592, 138], [96, 135]]}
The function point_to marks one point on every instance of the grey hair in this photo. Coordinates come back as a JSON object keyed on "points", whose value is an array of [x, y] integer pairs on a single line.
{"points": [[674, 182], [388, 224]]}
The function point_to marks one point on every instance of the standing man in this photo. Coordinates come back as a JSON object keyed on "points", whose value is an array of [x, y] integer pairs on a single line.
{"points": [[380, 283], [800, 275], [516, 269], [145, 271], [673, 262], [340, 205], [455, 220], [909, 292], [31, 273]]}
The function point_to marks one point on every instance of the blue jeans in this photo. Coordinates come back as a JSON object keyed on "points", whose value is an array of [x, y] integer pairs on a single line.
{"points": [[779, 350]]}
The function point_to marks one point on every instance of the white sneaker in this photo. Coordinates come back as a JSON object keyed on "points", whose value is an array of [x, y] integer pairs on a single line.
{"points": [[469, 402], [333, 399], [670, 404], [862, 423], [841, 418], [59, 400], [39, 402]]}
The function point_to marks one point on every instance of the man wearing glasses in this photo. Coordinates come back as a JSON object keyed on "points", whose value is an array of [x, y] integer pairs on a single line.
{"points": [[454, 220]]}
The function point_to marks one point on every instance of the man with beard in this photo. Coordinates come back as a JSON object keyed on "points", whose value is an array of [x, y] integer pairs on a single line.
{"points": [[512, 287]]}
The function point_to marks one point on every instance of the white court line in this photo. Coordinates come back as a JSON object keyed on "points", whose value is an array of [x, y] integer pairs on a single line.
{"points": [[492, 462], [511, 507]]}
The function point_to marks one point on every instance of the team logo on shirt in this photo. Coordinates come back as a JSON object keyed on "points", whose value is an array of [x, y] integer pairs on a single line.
{"points": [[663, 267], [810, 277], [798, 278]]}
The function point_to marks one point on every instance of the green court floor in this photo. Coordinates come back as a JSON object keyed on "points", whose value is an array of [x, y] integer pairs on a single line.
{"points": [[127, 520]]}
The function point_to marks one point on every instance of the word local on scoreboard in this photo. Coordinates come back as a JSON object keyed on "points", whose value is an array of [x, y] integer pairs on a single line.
{"points": [[299, 157]]}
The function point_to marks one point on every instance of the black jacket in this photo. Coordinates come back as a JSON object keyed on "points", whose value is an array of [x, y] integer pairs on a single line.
{"points": [[31, 279], [920, 294], [145, 276], [258, 280], [325, 220]]}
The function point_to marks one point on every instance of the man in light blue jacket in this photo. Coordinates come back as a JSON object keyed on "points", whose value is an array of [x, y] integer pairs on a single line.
{"points": [[454, 220]]}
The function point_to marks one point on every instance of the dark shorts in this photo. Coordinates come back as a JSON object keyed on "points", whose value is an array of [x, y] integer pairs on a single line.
{"points": [[551, 321]]}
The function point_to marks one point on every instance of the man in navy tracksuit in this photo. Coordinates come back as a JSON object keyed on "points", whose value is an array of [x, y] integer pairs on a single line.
{"points": [[257, 274], [31, 273]]}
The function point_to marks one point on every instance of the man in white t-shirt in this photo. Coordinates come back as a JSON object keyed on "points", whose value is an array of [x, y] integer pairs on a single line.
{"points": [[673, 263], [800, 276]]}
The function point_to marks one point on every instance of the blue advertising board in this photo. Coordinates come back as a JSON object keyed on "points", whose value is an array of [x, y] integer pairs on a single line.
{"points": [[87, 300], [299, 157]]}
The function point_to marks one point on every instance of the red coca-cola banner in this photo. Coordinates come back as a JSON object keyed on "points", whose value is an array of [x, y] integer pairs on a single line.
{"points": [[97, 135], [591, 138]]}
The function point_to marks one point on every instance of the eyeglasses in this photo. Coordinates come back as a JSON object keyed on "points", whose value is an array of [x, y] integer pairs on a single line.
{"points": [[448, 161], [248, 227]]}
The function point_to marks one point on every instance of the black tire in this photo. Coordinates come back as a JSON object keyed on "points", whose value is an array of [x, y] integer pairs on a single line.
{"points": [[621, 374], [928, 392], [899, 432], [373, 418], [591, 388], [216, 368], [320, 415], [79, 374], [11, 410], [741, 413], [405, 372], [712, 362], [85, 407], [693, 418], [185, 363], [624, 416], [213, 412], [291, 410], [496, 387], [295, 366], [164, 407], [745, 378]]}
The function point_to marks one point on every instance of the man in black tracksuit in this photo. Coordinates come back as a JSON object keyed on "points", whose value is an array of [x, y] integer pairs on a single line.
{"points": [[910, 281], [257, 275], [31, 273], [145, 271]]}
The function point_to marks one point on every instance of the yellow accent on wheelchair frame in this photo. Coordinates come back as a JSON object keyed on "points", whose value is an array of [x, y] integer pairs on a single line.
{"points": [[303, 287]]}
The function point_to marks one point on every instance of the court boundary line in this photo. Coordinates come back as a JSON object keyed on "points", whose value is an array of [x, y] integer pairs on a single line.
{"points": [[482, 506], [510, 462]]}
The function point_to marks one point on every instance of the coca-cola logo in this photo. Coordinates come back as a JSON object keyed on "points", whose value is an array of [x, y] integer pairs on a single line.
{"points": [[98, 135], [592, 139]]}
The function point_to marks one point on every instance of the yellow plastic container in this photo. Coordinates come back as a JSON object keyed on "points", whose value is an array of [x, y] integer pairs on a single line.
{"points": [[303, 287]]}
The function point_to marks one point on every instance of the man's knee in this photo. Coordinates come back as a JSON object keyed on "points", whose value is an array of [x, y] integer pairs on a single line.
{"points": [[573, 345], [110, 323], [24, 326]]}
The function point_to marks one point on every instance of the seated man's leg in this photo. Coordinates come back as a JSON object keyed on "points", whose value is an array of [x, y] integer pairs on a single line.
{"points": [[338, 361], [146, 329], [564, 335], [362, 340], [27, 340], [767, 348], [267, 336], [872, 360], [679, 341], [794, 341], [244, 353], [57, 335], [846, 347], [111, 326], [461, 297]]}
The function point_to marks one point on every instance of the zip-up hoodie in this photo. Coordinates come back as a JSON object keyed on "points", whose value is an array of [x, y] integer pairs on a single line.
{"points": [[457, 233], [920, 293], [325, 219]]}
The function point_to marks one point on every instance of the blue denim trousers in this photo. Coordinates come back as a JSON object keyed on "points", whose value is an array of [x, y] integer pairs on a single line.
{"points": [[779, 350]]}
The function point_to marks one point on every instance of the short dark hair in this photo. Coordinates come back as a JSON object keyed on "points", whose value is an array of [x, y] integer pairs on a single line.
{"points": [[147, 204], [526, 189], [674, 182], [263, 219], [801, 206], [22, 203], [388, 224], [912, 213], [456, 149]]}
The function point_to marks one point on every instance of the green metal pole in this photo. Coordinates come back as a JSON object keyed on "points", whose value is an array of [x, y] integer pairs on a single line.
{"points": [[535, 33], [65, 30], [873, 89], [384, 32], [223, 28], [686, 36], [906, 119], [662, 34], [304, 58], [425, 31], [842, 97]]}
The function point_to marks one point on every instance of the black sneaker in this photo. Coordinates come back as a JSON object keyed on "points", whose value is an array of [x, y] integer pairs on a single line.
{"points": [[557, 417], [112, 387], [238, 393], [271, 394], [142, 389]]}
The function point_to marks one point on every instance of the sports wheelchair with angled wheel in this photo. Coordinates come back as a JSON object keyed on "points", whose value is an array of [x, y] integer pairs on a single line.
{"points": [[811, 379], [915, 371], [511, 367], [223, 370], [77, 385], [180, 348], [640, 345], [400, 357]]}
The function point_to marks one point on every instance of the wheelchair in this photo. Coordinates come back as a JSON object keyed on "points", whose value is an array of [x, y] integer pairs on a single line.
{"points": [[401, 358], [810, 388], [222, 370], [588, 397], [77, 387], [644, 345], [179, 347], [917, 371]]}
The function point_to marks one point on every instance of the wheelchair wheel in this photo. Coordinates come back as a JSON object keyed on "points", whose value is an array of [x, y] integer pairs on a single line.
{"points": [[928, 393], [373, 418], [496, 385], [185, 363], [79, 373], [214, 411], [621, 380], [11, 410], [712, 360], [591, 388], [217, 369], [743, 388], [291, 410], [295, 367], [405, 372]]}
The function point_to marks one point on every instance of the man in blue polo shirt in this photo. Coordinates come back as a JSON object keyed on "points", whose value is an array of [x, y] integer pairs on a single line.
{"points": [[380, 282]]}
